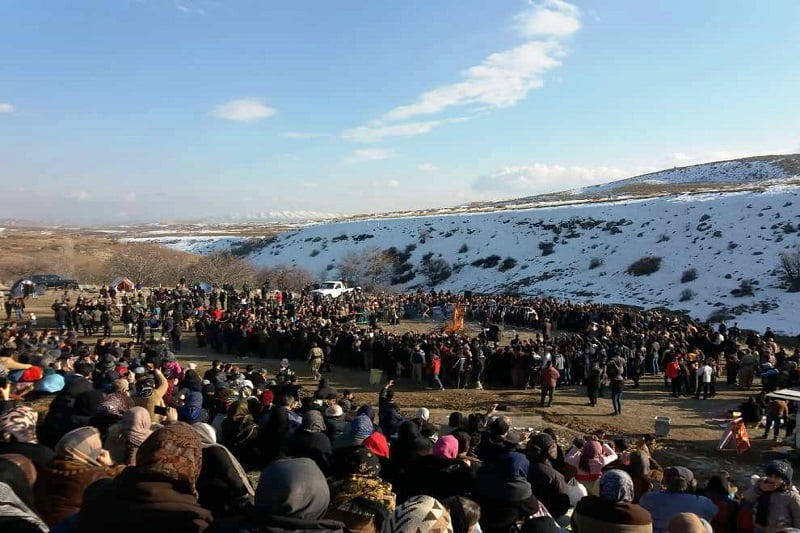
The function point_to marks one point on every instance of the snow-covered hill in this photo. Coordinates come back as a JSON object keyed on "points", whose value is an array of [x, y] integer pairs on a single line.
{"points": [[748, 170], [732, 240]]}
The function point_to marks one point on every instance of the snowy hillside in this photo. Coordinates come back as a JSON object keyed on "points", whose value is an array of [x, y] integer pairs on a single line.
{"points": [[749, 170], [732, 240], [196, 244]]}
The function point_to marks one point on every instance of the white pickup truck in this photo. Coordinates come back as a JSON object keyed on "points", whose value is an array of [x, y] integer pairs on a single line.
{"points": [[332, 289]]}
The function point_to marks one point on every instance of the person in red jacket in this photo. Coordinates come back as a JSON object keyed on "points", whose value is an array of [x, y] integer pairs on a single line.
{"points": [[434, 368], [673, 372], [548, 378]]}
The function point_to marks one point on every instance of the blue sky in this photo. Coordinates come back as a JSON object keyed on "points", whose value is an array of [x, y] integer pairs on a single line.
{"points": [[117, 110]]}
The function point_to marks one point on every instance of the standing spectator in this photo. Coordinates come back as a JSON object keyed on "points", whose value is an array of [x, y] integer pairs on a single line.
{"points": [[548, 379], [776, 411]]}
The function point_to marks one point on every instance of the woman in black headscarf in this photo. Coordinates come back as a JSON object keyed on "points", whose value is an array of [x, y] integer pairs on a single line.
{"points": [[240, 433], [292, 495], [502, 489], [311, 441], [223, 486], [17, 512]]}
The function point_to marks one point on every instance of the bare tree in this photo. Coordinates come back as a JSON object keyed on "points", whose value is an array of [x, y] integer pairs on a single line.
{"points": [[142, 263], [221, 267], [149, 264], [370, 268], [789, 270], [282, 277]]}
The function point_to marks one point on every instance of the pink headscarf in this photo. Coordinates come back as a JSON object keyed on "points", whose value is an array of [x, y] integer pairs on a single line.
{"points": [[591, 450], [446, 447]]}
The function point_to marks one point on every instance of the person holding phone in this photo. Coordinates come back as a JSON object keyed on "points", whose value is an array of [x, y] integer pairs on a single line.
{"points": [[150, 391]]}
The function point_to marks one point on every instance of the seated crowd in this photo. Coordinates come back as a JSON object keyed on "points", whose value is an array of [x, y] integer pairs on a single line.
{"points": [[143, 444]]}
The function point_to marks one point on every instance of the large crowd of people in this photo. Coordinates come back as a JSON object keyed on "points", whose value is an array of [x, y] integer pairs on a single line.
{"points": [[132, 438]]}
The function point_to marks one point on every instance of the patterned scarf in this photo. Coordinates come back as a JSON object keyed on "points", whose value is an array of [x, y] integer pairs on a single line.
{"points": [[173, 452], [18, 425], [421, 514], [362, 481]]}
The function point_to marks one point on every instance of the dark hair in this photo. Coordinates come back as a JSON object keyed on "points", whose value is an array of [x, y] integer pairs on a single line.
{"points": [[463, 439], [456, 420]]}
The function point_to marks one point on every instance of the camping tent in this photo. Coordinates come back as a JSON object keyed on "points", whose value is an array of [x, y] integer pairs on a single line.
{"points": [[25, 287], [123, 284]]}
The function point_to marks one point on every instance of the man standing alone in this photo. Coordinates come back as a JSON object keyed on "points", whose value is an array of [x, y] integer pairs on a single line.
{"points": [[548, 378]]}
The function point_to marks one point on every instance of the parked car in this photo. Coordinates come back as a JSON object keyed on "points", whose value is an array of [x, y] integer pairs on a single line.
{"points": [[53, 281], [333, 289]]}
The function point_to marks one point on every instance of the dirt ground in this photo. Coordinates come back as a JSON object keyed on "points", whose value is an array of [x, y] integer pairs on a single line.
{"points": [[692, 440]]}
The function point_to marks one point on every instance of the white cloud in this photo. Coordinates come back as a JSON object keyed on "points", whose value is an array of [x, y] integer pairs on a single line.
{"points": [[540, 178], [549, 18], [427, 167], [393, 184], [505, 78], [302, 135], [243, 109], [129, 197], [369, 154], [5, 107], [377, 131], [78, 195], [680, 156], [193, 10]]}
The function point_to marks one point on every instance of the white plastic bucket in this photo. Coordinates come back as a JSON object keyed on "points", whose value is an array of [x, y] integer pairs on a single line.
{"points": [[375, 376]]}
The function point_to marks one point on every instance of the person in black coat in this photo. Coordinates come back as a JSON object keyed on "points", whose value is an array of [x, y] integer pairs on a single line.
{"points": [[547, 484], [310, 441], [292, 495]]}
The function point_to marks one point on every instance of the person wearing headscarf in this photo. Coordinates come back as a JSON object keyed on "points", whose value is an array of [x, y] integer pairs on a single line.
{"points": [[18, 435], [377, 444], [439, 474], [637, 465], [86, 406], [310, 441], [360, 498], [223, 486], [421, 514], [192, 411], [464, 513], [110, 411], [776, 501], [679, 497], [158, 495], [292, 496], [501, 488], [79, 461], [613, 509], [547, 484], [274, 435], [124, 438], [240, 433], [589, 459], [718, 490], [17, 511]]}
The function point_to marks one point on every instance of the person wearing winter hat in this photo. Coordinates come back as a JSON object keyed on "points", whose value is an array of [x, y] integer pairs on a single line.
{"points": [[776, 501], [422, 514], [679, 497], [548, 485]]}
